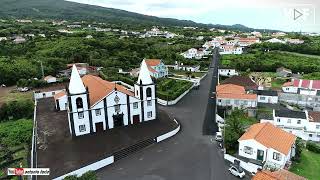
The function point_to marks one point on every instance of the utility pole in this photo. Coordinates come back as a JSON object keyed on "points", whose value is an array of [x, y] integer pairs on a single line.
{"points": [[42, 69]]}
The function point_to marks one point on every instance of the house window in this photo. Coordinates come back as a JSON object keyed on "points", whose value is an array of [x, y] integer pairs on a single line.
{"points": [[317, 126], [262, 98], [98, 112], [248, 150], [149, 103], [80, 115], [289, 121], [276, 156], [245, 103], [299, 121], [227, 101], [236, 102], [219, 100], [137, 93], [82, 128], [79, 103], [149, 92], [310, 135], [53, 93], [117, 108], [318, 135], [135, 105], [278, 120], [44, 95], [149, 114]]}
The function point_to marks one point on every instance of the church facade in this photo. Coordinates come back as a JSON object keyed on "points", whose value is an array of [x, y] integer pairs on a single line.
{"points": [[95, 105]]}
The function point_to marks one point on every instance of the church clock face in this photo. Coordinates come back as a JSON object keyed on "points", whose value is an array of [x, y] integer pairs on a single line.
{"points": [[116, 99]]}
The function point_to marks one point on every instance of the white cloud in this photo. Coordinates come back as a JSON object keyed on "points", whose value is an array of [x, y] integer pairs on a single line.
{"points": [[208, 11]]}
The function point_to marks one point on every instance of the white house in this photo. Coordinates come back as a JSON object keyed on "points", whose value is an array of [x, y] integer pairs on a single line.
{"points": [[268, 144], [50, 79], [235, 96], [97, 105], [182, 67], [275, 40], [267, 96], [191, 53], [230, 49], [61, 101], [303, 124], [228, 72], [3, 39], [157, 68], [304, 87]]}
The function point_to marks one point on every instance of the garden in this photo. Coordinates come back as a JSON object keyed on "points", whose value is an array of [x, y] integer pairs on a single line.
{"points": [[16, 125], [170, 89], [308, 165]]}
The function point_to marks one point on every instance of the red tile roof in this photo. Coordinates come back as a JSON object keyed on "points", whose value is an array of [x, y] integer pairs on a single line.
{"points": [[270, 136], [59, 95], [314, 84], [153, 62], [244, 81], [276, 175], [99, 88], [314, 116], [231, 91], [286, 84]]}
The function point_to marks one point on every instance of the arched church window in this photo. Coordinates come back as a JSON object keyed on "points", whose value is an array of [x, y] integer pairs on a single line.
{"points": [[149, 94], [79, 103]]}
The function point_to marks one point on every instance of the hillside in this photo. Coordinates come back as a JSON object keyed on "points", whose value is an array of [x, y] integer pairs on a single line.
{"points": [[60, 9]]}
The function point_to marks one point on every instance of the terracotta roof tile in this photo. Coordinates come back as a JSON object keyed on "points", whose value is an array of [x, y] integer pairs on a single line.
{"points": [[276, 175], [270, 136], [314, 116], [230, 91], [286, 84], [244, 81], [99, 88], [59, 95], [153, 62]]}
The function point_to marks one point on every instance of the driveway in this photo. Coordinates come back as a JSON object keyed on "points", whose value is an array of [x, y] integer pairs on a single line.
{"points": [[190, 155]]}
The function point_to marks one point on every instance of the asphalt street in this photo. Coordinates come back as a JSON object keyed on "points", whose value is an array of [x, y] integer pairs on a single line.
{"points": [[192, 154]]}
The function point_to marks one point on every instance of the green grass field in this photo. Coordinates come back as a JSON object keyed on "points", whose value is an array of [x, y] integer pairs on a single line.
{"points": [[309, 166]]}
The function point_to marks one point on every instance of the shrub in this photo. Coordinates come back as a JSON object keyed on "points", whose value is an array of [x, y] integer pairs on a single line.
{"points": [[22, 108], [13, 133], [311, 146], [90, 175]]}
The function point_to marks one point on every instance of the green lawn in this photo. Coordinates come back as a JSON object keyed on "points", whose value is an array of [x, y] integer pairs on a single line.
{"points": [[277, 83], [171, 88], [184, 73], [309, 166]]}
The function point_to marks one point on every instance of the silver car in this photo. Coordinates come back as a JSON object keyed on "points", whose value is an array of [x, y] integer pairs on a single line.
{"points": [[237, 172]]}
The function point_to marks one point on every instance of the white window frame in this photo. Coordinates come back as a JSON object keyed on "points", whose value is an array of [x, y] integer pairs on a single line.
{"points": [[248, 150], [80, 115], [298, 121], [149, 114], [276, 156], [98, 112], [135, 105], [149, 103], [82, 128]]}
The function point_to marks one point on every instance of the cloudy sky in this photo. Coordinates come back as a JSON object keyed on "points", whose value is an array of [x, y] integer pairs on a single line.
{"points": [[270, 14]]}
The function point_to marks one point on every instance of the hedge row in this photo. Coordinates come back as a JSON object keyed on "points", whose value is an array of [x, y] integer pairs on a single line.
{"points": [[314, 147]]}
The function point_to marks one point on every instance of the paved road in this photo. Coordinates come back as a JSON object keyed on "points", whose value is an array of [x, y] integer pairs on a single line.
{"points": [[190, 155]]}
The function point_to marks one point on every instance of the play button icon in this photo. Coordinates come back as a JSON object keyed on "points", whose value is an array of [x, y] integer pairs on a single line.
{"points": [[296, 14]]}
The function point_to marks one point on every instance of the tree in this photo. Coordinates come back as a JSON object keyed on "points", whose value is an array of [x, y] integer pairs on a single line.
{"points": [[299, 147], [235, 126]]}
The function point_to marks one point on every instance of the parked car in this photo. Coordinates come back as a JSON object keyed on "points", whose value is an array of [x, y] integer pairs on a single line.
{"points": [[219, 136], [3, 85], [24, 89], [237, 172]]}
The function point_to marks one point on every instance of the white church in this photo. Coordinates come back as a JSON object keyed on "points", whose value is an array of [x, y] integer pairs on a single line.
{"points": [[95, 105]]}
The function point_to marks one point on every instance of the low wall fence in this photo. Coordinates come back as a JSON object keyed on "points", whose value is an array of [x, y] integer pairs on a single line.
{"points": [[248, 166], [173, 102], [109, 160]]}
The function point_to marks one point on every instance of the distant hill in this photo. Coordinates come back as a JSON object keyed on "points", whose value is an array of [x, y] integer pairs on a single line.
{"points": [[60, 9], [66, 10]]}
